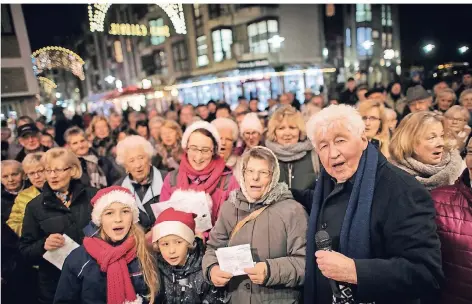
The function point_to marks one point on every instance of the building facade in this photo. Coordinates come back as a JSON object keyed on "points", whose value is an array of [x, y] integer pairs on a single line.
{"points": [[19, 84]]}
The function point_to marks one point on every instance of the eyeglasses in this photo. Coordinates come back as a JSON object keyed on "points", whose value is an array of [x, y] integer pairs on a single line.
{"points": [[250, 134], [262, 173], [453, 119], [35, 173], [204, 151], [58, 171], [370, 118]]}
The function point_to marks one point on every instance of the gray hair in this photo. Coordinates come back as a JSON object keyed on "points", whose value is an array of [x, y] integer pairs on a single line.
{"points": [[131, 143], [33, 159], [458, 109], [226, 123], [447, 91], [463, 94], [12, 163], [332, 116]]}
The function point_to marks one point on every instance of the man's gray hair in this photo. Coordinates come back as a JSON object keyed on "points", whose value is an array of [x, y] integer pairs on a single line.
{"points": [[131, 143], [335, 115]]}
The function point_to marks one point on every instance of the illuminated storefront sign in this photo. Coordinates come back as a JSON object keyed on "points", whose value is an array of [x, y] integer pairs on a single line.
{"points": [[126, 29]]}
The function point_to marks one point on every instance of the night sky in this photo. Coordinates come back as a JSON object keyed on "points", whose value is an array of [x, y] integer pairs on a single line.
{"points": [[447, 26]]}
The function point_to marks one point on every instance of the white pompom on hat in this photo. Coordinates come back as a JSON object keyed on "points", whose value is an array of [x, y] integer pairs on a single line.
{"points": [[201, 125], [114, 194]]}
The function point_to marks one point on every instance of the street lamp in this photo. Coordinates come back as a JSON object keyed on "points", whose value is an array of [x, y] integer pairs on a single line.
{"points": [[463, 49], [428, 48]]}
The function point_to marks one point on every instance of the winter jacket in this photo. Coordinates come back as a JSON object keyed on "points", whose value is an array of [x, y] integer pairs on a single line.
{"points": [[300, 174], [152, 195], [103, 146], [454, 220], [277, 238], [22, 154], [83, 282], [15, 221], [186, 284], [218, 196], [7, 203], [405, 248], [46, 215], [106, 164]]}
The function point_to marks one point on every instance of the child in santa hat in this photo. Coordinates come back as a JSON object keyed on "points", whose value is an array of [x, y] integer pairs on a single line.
{"points": [[179, 258], [114, 265]]}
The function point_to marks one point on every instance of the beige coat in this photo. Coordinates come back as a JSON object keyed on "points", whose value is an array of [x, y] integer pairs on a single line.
{"points": [[277, 236]]}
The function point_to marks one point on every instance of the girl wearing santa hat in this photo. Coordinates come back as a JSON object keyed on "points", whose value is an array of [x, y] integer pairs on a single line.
{"points": [[201, 168], [114, 265], [179, 258]]}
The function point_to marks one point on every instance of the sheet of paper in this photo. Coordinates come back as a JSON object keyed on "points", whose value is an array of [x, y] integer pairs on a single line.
{"points": [[58, 256], [198, 205], [234, 259]]}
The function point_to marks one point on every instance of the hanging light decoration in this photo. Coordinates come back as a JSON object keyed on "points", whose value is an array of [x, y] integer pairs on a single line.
{"points": [[97, 14], [47, 84], [56, 57]]}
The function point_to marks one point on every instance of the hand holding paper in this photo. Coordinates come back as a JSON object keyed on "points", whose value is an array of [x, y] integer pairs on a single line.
{"points": [[58, 256], [258, 273], [235, 259], [218, 277]]}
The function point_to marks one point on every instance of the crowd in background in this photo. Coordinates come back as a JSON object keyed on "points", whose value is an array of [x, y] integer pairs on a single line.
{"points": [[51, 172]]}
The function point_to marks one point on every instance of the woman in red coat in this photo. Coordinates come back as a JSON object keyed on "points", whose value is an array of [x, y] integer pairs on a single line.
{"points": [[454, 220]]}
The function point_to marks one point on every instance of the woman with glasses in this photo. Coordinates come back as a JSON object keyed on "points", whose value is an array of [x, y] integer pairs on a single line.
{"points": [[201, 168], [286, 138], [62, 208], [34, 170], [419, 146], [455, 125], [143, 179], [376, 124], [276, 234]]}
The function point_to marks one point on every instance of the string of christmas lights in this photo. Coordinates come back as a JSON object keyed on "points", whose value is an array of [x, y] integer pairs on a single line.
{"points": [[52, 57], [97, 13], [47, 84]]}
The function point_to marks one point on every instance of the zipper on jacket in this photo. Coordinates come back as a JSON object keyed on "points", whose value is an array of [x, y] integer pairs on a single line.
{"points": [[290, 176]]}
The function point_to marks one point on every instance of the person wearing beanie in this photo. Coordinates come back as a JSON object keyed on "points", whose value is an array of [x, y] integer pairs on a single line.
{"points": [[179, 256], [251, 130], [114, 264], [276, 233], [201, 168]]}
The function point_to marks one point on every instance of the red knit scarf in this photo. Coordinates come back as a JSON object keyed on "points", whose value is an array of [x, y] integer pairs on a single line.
{"points": [[114, 262], [214, 169]]}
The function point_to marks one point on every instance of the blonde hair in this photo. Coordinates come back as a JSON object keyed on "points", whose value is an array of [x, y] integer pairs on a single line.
{"points": [[95, 120], [458, 109], [463, 94], [67, 156], [445, 92], [146, 259], [32, 159], [411, 128], [383, 134], [286, 111], [176, 151]]}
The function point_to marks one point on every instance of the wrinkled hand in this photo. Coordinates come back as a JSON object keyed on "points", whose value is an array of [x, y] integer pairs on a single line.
{"points": [[54, 241], [336, 266], [218, 277], [258, 273]]}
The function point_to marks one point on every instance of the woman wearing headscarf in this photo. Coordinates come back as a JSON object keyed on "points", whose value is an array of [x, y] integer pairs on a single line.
{"points": [[114, 264], [263, 214], [418, 146], [286, 138], [201, 168]]}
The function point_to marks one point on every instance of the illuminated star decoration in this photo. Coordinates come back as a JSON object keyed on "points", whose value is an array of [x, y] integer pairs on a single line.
{"points": [[97, 13], [56, 57]]}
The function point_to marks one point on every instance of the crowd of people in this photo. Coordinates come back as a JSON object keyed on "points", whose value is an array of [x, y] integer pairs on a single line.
{"points": [[386, 173]]}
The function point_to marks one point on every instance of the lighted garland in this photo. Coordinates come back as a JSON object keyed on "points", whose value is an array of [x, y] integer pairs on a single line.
{"points": [[52, 57], [97, 13], [47, 84]]}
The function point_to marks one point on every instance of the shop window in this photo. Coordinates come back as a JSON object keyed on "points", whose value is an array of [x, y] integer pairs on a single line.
{"points": [[156, 40], [202, 51], [179, 53], [363, 13], [222, 41], [364, 41], [386, 15], [259, 34], [160, 62]]}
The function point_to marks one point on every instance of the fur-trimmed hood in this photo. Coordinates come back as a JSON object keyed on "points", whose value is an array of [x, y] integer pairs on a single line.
{"points": [[279, 193]]}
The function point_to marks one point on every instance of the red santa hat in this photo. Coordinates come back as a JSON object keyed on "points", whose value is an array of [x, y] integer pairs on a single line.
{"points": [[114, 194], [174, 222]]}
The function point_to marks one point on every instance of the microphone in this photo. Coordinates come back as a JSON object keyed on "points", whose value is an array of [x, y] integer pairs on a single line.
{"points": [[323, 242]]}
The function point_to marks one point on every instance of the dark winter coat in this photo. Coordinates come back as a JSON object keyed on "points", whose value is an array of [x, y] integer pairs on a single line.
{"points": [[454, 220], [186, 284], [299, 174], [103, 146], [83, 282], [348, 97], [46, 215], [8, 200], [152, 195], [22, 154], [405, 247], [108, 166]]}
